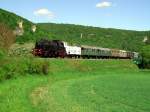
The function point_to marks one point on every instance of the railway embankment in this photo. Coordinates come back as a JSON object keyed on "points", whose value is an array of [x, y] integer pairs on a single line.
{"points": [[12, 67]]}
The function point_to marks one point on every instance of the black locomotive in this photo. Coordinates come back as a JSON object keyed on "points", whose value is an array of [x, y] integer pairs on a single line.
{"points": [[47, 48]]}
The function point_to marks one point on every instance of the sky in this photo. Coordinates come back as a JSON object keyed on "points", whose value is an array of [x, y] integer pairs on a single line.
{"points": [[121, 14]]}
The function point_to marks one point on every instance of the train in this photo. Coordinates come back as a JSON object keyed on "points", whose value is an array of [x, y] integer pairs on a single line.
{"points": [[58, 48]]}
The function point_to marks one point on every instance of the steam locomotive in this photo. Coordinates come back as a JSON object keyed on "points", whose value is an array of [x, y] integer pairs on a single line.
{"points": [[57, 48]]}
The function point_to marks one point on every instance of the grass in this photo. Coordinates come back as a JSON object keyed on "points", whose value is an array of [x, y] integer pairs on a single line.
{"points": [[104, 93], [79, 86]]}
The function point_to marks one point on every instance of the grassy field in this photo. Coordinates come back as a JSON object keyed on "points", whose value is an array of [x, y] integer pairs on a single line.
{"points": [[79, 86]]}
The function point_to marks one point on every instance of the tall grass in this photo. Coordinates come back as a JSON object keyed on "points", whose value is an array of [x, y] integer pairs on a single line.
{"points": [[20, 66], [74, 85], [12, 67]]}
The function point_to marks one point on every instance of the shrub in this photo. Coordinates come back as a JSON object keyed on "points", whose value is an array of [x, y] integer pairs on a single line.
{"points": [[2, 76], [14, 67], [2, 53], [145, 53], [7, 37], [6, 72], [45, 67], [38, 67]]}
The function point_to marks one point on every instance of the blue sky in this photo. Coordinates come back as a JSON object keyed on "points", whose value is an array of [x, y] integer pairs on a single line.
{"points": [[124, 14]]}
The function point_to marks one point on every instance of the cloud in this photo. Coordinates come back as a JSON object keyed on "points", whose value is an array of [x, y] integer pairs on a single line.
{"points": [[44, 12], [103, 4]]}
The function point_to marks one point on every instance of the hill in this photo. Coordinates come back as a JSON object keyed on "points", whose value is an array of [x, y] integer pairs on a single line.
{"points": [[93, 36], [11, 21]]}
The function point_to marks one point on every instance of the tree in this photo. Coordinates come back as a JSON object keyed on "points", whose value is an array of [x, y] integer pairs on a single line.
{"points": [[7, 37], [145, 53]]}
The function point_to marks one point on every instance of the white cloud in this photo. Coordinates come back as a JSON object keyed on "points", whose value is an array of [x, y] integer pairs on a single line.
{"points": [[103, 4], [44, 12]]}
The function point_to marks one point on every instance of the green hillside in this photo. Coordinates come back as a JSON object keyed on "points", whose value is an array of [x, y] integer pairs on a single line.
{"points": [[94, 36], [11, 21], [104, 37]]}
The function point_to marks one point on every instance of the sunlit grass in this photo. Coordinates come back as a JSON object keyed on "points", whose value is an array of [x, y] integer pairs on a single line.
{"points": [[79, 86]]}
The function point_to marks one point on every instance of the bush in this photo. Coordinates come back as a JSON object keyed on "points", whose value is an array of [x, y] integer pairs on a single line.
{"points": [[2, 76], [14, 67], [7, 37], [21, 50], [2, 53], [38, 67], [145, 53]]}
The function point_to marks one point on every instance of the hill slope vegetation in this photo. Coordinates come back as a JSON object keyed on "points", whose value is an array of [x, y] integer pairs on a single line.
{"points": [[11, 21], [94, 36]]}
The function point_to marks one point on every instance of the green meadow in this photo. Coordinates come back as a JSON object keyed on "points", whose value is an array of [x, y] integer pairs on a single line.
{"points": [[75, 86]]}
